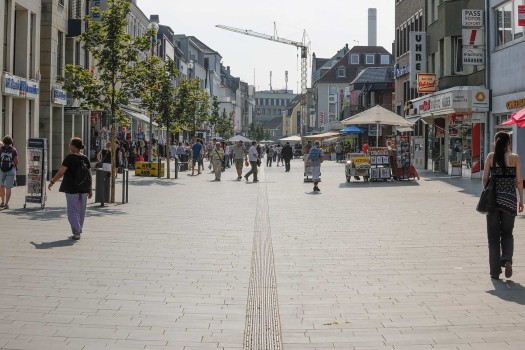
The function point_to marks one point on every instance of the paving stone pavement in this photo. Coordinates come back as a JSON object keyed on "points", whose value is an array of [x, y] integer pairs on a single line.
{"points": [[394, 265]]}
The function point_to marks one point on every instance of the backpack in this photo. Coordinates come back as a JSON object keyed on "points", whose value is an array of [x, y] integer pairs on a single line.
{"points": [[314, 156], [6, 159], [82, 180]]}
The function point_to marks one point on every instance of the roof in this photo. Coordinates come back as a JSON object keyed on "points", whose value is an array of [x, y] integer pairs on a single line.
{"points": [[293, 103], [205, 48], [374, 75], [273, 123], [351, 69]]}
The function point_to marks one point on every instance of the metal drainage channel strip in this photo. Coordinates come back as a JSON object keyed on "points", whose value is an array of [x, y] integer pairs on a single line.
{"points": [[263, 327]]}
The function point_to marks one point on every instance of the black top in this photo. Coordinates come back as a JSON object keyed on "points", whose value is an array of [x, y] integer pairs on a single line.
{"points": [[287, 152], [71, 162]]}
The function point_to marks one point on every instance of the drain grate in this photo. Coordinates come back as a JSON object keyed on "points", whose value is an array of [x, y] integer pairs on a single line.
{"points": [[263, 328]]}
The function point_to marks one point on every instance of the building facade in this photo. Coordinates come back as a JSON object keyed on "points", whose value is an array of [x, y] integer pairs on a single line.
{"points": [[331, 90], [20, 62], [457, 111], [506, 44]]}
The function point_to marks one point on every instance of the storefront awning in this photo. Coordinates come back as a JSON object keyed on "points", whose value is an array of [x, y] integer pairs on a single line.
{"points": [[415, 118], [134, 114], [321, 136]]}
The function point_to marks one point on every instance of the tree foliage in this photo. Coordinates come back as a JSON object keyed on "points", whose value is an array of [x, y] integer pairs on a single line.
{"points": [[224, 126], [112, 81], [191, 105], [257, 132]]}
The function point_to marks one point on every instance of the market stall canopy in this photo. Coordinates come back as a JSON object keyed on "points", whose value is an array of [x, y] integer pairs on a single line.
{"points": [[239, 138], [517, 118], [323, 136], [293, 138], [377, 115], [352, 129]]}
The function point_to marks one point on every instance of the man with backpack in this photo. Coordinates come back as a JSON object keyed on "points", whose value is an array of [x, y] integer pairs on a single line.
{"points": [[8, 167]]}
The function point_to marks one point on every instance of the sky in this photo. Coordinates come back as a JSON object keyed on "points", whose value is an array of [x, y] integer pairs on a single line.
{"points": [[329, 24]]}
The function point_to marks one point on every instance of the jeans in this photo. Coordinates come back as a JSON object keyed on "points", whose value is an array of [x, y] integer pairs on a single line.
{"points": [[252, 171], [76, 210], [501, 241], [287, 164]]}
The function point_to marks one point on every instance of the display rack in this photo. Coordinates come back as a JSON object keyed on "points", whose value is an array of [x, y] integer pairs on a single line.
{"points": [[36, 172], [379, 163]]}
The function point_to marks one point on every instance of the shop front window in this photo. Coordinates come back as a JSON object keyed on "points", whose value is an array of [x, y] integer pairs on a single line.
{"points": [[507, 22]]}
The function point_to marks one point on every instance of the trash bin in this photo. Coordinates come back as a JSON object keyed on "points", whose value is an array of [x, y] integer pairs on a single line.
{"points": [[102, 186]]}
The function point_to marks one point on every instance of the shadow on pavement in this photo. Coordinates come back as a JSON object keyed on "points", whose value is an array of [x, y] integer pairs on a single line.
{"points": [[98, 211], [54, 244], [466, 185], [508, 291], [160, 182], [355, 184], [49, 213]]}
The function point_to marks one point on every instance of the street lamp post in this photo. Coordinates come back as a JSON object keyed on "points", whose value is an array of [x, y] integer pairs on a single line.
{"points": [[154, 27]]}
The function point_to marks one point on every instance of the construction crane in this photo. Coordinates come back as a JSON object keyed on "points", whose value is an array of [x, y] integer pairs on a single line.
{"points": [[303, 46]]}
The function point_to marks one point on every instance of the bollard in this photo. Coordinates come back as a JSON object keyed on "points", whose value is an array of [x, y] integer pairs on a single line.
{"points": [[159, 164], [176, 167], [125, 185]]}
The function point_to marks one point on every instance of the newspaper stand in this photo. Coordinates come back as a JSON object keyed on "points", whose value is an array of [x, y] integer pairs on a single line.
{"points": [[36, 172], [357, 165], [379, 163]]}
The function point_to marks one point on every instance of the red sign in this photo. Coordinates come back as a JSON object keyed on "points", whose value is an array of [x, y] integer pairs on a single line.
{"points": [[521, 15], [426, 82], [321, 117]]}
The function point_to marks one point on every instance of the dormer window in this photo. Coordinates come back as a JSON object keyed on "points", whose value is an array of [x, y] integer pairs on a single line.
{"points": [[385, 59], [341, 72], [354, 58], [369, 59]]}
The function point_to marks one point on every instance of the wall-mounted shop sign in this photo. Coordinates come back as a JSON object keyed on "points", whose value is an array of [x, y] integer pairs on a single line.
{"points": [[472, 18], [400, 71], [454, 100], [31, 89], [58, 96], [418, 57], [426, 82], [513, 104], [473, 57], [11, 84], [472, 37]]}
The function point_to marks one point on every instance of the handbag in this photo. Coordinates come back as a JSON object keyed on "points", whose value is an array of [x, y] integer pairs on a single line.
{"points": [[487, 200]]}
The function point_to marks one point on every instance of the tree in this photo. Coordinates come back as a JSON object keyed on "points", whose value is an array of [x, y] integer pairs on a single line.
{"points": [[191, 105], [215, 115], [113, 80], [257, 132], [158, 93], [224, 125]]}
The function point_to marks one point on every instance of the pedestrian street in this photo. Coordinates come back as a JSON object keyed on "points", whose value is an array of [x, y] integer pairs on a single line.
{"points": [[190, 263]]}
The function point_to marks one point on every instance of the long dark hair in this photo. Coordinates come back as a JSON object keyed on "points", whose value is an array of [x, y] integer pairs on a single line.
{"points": [[501, 140]]}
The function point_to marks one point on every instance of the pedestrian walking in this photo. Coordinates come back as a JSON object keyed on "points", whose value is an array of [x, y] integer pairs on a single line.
{"points": [[76, 194], [240, 155], [254, 158], [315, 158], [196, 149], [338, 152], [279, 149], [505, 169], [201, 158], [104, 157], [269, 155], [8, 168], [217, 158], [287, 155], [227, 152]]}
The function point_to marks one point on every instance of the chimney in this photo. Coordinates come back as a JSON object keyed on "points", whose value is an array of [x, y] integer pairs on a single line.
{"points": [[154, 18], [372, 27]]}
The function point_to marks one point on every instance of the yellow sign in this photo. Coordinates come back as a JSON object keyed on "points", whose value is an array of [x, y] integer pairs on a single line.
{"points": [[148, 169], [149, 165], [513, 104], [361, 160]]}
